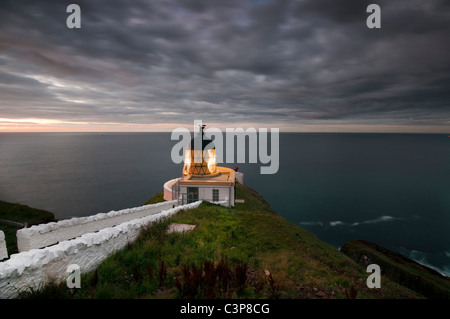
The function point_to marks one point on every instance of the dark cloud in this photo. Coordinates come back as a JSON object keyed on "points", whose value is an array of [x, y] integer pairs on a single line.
{"points": [[339, 11], [294, 62]]}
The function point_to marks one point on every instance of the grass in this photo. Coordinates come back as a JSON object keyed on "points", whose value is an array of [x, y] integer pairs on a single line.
{"points": [[158, 198], [407, 272], [248, 251], [22, 214]]}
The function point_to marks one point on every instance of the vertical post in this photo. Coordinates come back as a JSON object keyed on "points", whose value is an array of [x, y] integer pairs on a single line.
{"points": [[3, 249]]}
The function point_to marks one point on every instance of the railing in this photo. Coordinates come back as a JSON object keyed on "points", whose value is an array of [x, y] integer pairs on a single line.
{"points": [[176, 191]]}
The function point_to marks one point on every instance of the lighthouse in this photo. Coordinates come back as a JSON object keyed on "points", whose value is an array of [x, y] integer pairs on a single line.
{"points": [[200, 157], [201, 178]]}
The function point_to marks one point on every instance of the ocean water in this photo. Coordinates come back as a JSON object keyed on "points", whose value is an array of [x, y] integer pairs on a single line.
{"points": [[390, 189]]}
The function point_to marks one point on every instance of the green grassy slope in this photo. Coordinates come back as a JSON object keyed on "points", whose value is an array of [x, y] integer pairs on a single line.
{"points": [[403, 270], [22, 214], [248, 251]]}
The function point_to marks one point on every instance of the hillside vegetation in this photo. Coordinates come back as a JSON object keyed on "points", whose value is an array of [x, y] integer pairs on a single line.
{"points": [[21, 214], [248, 251], [398, 268]]}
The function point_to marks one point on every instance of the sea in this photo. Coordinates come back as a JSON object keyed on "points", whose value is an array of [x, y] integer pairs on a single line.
{"points": [[390, 189]]}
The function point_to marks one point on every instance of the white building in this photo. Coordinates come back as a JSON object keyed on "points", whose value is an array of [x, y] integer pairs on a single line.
{"points": [[202, 179]]}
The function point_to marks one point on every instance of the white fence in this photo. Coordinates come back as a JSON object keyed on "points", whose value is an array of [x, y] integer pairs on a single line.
{"points": [[31, 269], [44, 235], [3, 250]]}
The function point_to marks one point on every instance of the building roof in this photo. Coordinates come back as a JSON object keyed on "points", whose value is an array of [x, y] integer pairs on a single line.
{"points": [[225, 177]]}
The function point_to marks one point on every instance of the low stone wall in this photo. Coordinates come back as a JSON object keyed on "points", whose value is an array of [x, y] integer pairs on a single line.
{"points": [[3, 250], [48, 234], [33, 268]]}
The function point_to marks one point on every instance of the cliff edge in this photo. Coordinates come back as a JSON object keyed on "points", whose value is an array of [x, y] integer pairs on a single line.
{"points": [[404, 271]]}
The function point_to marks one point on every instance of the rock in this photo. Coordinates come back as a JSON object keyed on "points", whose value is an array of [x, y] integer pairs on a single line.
{"points": [[179, 228]]}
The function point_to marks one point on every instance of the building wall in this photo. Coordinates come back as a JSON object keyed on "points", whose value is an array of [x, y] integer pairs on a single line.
{"points": [[31, 269], [48, 234], [206, 192]]}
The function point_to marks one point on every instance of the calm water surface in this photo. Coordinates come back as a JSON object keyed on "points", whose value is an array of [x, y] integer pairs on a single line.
{"points": [[391, 189]]}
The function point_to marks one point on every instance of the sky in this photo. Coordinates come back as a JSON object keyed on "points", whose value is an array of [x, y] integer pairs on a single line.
{"points": [[152, 65]]}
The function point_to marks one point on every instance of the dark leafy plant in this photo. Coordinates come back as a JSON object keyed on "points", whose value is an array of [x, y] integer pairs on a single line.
{"points": [[351, 293], [162, 274], [94, 280], [150, 272], [136, 274], [273, 288], [240, 277]]}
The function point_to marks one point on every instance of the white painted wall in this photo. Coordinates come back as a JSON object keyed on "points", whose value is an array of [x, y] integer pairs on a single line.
{"points": [[205, 192], [34, 267], [3, 250], [43, 235]]}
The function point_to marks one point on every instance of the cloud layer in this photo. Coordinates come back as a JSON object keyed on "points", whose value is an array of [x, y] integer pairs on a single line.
{"points": [[286, 63]]}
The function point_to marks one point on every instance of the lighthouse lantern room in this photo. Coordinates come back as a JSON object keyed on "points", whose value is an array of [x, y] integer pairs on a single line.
{"points": [[201, 178]]}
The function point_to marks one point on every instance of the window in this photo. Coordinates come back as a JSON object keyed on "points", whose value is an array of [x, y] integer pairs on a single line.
{"points": [[192, 194], [215, 195]]}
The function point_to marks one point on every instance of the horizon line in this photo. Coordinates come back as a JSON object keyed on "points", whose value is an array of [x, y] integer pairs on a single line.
{"points": [[31, 125], [281, 132]]}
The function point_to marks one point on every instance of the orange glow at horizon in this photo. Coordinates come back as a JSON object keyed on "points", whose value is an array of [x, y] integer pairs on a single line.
{"points": [[35, 125]]}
